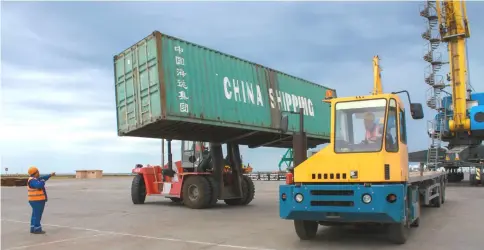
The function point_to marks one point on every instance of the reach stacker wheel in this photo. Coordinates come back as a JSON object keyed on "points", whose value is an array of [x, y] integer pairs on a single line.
{"points": [[138, 190], [248, 193], [306, 230], [398, 233], [196, 192]]}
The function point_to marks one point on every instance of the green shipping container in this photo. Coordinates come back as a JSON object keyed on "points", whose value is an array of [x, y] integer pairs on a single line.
{"points": [[169, 88]]}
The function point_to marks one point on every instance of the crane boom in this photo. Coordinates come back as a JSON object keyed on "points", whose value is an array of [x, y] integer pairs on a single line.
{"points": [[454, 29], [377, 88]]}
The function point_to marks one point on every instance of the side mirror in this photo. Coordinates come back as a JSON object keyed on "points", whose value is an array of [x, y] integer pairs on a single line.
{"points": [[416, 111], [192, 159], [284, 124]]}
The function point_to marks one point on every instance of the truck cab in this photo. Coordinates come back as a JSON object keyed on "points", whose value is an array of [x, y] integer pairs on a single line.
{"points": [[362, 176], [369, 143]]}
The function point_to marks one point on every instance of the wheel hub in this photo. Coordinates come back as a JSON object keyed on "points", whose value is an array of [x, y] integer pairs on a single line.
{"points": [[193, 193]]}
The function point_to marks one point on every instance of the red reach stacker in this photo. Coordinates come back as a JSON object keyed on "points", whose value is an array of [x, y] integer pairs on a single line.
{"points": [[199, 180]]}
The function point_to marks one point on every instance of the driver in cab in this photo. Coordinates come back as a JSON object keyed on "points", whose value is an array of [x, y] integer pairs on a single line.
{"points": [[372, 133]]}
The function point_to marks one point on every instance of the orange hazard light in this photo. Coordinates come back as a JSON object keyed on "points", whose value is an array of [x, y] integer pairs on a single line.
{"points": [[289, 178]]}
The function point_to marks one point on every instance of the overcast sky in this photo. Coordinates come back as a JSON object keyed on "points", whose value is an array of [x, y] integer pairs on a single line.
{"points": [[57, 66]]}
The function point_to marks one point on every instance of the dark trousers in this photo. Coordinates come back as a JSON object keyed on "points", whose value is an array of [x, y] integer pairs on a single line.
{"points": [[37, 211]]}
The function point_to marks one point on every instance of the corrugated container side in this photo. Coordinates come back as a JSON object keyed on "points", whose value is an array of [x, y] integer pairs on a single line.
{"points": [[170, 88]]}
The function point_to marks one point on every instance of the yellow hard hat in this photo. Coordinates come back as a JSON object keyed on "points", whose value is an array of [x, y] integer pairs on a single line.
{"points": [[33, 170], [369, 116]]}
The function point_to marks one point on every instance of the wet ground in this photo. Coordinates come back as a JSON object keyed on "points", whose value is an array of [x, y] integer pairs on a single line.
{"points": [[99, 214]]}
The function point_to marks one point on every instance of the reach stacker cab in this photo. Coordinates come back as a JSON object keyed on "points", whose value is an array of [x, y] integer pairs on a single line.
{"points": [[199, 180], [360, 178]]}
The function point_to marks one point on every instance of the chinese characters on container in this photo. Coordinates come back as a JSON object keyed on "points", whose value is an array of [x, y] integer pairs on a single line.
{"points": [[180, 79]]}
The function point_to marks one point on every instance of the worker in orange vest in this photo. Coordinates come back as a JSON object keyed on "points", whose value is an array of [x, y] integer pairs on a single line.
{"points": [[372, 128], [37, 198]]}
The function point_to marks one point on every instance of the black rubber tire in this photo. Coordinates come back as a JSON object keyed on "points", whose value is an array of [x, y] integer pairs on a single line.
{"points": [[306, 230], [398, 233], [214, 186], [174, 199], [138, 190], [238, 201], [248, 193], [437, 201], [204, 192]]}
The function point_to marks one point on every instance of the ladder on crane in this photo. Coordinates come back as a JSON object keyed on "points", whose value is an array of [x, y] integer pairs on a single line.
{"points": [[435, 127]]}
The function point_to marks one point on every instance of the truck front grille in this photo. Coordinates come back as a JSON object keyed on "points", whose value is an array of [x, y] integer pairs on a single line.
{"points": [[333, 192], [333, 203]]}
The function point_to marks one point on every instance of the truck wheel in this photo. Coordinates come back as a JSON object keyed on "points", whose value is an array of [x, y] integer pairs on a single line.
{"points": [[306, 230], [196, 192], [437, 201], [214, 186], [138, 190], [398, 233]]}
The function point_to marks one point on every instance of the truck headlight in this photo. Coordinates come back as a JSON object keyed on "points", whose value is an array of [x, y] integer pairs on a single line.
{"points": [[299, 198], [366, 198]]}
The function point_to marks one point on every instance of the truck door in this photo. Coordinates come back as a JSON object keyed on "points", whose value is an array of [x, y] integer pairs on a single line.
{"points": [[392, 164], [403, 142]]}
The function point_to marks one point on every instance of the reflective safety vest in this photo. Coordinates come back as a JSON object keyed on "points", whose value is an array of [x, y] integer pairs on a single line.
{"points": [[371, 135], [35, 194]]}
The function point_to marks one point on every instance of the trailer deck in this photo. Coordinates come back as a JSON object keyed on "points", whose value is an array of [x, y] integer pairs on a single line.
{"points": [[414, 177]]}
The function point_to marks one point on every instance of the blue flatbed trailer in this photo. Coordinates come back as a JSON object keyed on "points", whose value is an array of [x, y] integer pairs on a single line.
{"points": [[331, 204]]}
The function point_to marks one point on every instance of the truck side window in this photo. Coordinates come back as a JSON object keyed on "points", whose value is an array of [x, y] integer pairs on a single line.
{"points": [[403, 128], [391, 135]]}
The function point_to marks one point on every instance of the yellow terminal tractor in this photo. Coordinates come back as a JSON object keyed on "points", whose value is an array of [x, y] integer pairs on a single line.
{"points": [[362, 176]]}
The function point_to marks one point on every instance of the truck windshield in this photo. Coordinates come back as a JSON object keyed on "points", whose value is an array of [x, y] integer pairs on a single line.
{"points": [[359, 125]]}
